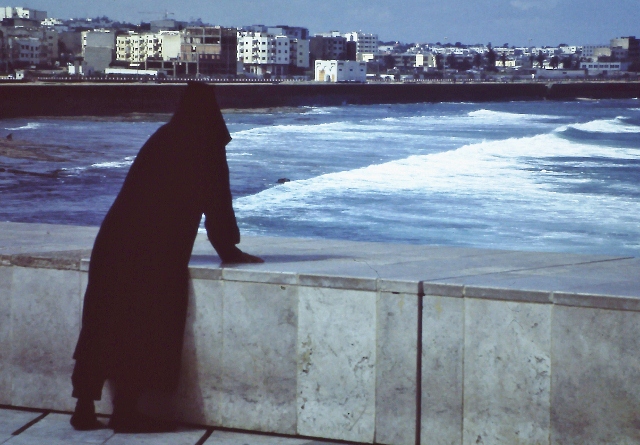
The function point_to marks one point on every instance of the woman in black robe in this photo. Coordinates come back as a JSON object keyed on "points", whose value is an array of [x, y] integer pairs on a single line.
{"points": [[136, 300]]}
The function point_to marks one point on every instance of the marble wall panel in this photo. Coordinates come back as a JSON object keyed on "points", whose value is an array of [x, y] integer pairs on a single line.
{"points": [[442, 370], [6, 275], [198, 395], [336, 363], [46, 324], [396, 368], [596, 370], [258, 389], [506, 372]]}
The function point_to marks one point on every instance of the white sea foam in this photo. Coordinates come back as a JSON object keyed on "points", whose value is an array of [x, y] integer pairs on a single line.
{"points": [[495, 170], [117, 164], [617, 125], [497, 116], [29, 126]]}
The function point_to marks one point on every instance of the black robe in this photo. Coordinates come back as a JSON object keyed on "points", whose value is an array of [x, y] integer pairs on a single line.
{"points": [[136, 300]]}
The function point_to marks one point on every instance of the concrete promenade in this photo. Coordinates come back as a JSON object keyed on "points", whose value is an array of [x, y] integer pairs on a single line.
{"points": [[356, 342], [37, 427]]}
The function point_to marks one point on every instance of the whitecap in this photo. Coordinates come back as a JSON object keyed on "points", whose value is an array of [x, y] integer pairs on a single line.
{"points": [[494, 170], [617, 125], [126, 162], [29, 126], [497, 116]]}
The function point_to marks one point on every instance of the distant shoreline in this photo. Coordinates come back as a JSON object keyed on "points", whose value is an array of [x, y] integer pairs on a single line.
{"points": [[109, 99]]}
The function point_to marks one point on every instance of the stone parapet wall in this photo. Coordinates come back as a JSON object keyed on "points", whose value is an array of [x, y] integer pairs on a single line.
{"points": [[297, 348]]}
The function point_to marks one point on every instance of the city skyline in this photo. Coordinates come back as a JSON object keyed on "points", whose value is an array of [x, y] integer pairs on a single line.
{"points": [[515, 22]]}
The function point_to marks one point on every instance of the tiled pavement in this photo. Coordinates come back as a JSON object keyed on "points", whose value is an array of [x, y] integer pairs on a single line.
{"points": [[21, 427]]}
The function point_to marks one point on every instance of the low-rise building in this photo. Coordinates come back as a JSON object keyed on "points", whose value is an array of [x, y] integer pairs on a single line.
{"points": [[601, 68], [340, 71]]}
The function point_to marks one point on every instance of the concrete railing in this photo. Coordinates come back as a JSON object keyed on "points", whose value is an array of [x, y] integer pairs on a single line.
{"points": [[334, 339]]}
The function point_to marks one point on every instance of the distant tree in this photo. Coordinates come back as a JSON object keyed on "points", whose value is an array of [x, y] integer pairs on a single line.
{"points": [[451, 61], [389, 62], [439, 63], [540, 59], [465, 65], [477, 60], [554, 62], [567, 62], [491, 59]]}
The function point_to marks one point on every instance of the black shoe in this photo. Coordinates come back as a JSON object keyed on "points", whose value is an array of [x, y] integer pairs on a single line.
{"points": [[138, 424], [83, 422]]}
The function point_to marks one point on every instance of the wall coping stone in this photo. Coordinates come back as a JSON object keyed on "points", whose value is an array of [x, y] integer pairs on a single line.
{"points": [[561, 279]]}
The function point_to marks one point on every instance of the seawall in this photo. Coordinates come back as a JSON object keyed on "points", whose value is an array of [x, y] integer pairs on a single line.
{"points": [[43, 99], [362, 342]]}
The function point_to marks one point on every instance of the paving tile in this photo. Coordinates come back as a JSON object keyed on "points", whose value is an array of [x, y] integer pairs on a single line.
{"points": [[55, 429], [11, 420], [229, 438], [183, 436]]}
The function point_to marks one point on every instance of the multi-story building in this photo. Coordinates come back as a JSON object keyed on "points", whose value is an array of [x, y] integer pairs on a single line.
{"points": [[209, 50], [278, 51], [593, 52], [625, 48], [366, 44], [135, 48], [98, 50], [331, 46], [26, 43]]}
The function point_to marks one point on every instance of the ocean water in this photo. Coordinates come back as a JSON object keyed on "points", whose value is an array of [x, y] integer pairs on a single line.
{"points": [[543, 176]]}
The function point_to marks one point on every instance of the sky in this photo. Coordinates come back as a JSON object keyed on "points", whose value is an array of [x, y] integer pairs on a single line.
{"points": [[512, 22]]}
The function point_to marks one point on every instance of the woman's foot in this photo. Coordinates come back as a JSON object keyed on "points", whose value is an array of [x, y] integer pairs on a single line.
{"points": [[84, 417]]}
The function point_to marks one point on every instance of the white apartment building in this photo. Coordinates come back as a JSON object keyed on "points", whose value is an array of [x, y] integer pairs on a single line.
{"points": [[269, 52], [366, 44], [132, 47], [340, 71], [137, 48], [8, 12]]}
